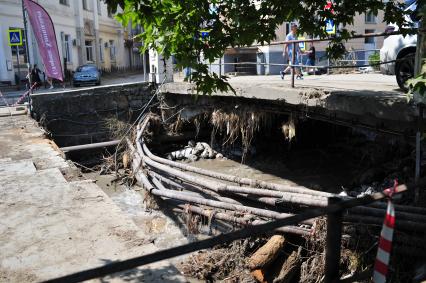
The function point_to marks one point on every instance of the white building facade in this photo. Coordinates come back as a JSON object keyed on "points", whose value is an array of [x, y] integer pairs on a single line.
{"points": [[85, 33]]}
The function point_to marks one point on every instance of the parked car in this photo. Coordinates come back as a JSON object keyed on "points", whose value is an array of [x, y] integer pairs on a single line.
{"points": [[400, 48], [85, 75]]}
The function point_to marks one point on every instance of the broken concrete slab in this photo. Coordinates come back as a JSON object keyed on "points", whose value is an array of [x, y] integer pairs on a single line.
{"points": [[50, 227], [13, 111], [19, 167], [20, 138], [369, 100]]}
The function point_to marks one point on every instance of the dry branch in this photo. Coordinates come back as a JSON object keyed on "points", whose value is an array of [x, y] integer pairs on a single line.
{"points": [[289, 268]]}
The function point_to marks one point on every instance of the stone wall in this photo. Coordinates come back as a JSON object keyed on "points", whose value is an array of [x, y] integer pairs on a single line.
{"points": [[78, 116]]}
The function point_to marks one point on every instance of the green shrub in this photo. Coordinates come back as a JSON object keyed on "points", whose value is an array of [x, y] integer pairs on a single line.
{"points": [[374, 59]]}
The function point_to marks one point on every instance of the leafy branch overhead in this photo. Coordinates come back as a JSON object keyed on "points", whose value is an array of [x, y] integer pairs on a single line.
{"points": [[172, 27]]}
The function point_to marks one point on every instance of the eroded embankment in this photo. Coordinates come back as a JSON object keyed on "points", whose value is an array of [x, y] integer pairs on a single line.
{"points": [[261, 165]]}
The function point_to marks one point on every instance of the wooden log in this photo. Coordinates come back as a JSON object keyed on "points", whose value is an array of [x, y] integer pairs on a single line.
{"points": [[403, 224], [144, 181], [259, 275], [228, 217], [204, 192], [235, 179], [266, 254], [289, 268], [222, 187], [182, 185], [257, 183], [219, 204]]}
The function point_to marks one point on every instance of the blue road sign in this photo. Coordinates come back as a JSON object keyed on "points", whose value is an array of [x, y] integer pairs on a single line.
{"points": [[205, 34], [330, 27], [15, 37]]}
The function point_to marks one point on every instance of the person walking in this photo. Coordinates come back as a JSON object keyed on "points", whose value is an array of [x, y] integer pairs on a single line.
{"points": [[288, 53], [311, 56], [50, 82], [35, 77]]}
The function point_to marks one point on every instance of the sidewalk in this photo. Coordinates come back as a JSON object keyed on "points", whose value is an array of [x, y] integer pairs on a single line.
{"points": [[52, 224]]}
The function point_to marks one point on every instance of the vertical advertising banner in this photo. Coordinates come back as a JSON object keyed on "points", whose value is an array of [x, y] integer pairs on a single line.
{"points": [[46, 40]]}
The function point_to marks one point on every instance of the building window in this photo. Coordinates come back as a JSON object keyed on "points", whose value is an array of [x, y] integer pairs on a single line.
{"points": [[89, 51], [67, 46], [85, 5], [370, 18], [112, 50], [101, 50], [369, 40], [64, 2], [98, 2]]}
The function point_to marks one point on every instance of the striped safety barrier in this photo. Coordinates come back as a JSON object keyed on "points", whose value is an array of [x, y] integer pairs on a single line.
{"points": [[24, 95], [381, 264]]}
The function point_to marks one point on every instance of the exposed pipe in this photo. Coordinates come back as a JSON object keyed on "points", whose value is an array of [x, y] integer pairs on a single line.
{"points": [[89, 146]]}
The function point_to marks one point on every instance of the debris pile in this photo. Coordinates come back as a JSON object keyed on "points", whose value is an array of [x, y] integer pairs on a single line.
{"points": [[194, 151], [226, 263], [237, 201]]}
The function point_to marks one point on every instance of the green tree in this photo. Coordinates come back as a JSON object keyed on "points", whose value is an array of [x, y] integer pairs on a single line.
{"points": [[418, 84], [172, 27]]}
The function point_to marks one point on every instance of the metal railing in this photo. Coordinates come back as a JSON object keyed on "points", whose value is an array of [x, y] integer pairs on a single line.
{"points": [[328, 66], [333, 210]]}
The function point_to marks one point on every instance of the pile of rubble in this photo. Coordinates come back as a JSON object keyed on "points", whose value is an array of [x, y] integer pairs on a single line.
{"points": [[244, 201]]}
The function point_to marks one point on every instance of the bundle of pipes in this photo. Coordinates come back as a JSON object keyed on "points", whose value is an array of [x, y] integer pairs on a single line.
{"points": [[232, 197]]}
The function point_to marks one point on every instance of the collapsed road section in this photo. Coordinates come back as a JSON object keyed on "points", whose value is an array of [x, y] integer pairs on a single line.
{"points": [[240, 201], [225, 162]]}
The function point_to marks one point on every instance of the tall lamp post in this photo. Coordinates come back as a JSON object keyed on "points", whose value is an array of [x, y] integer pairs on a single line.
{"points": [[27, 54]]}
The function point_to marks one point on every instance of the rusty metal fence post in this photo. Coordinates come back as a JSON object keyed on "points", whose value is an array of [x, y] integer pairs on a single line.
{"points": [[293, 60], [333, 243]]}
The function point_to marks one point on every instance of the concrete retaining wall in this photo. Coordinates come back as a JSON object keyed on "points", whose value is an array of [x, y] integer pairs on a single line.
{"points": [[78, 116]]}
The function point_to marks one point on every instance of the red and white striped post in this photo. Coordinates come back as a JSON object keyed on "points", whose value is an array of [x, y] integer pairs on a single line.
{"points": [[385, 243]]}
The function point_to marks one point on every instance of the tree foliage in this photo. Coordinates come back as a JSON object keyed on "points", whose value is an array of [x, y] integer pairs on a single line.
{"points": [[172, 27]]}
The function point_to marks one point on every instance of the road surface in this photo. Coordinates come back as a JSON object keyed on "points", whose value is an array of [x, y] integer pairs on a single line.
{"points": [[11, 97]]}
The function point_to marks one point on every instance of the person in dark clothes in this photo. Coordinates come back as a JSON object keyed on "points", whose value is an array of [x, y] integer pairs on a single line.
{"points": [[311, 56], [35, 77]]}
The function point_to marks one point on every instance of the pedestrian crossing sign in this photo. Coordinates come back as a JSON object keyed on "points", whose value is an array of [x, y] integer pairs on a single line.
{"points": [[15, 37], [205, 34], [330, 27]]}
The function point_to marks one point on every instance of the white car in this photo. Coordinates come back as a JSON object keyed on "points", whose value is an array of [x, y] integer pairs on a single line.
{"points": [[400, 48]]}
